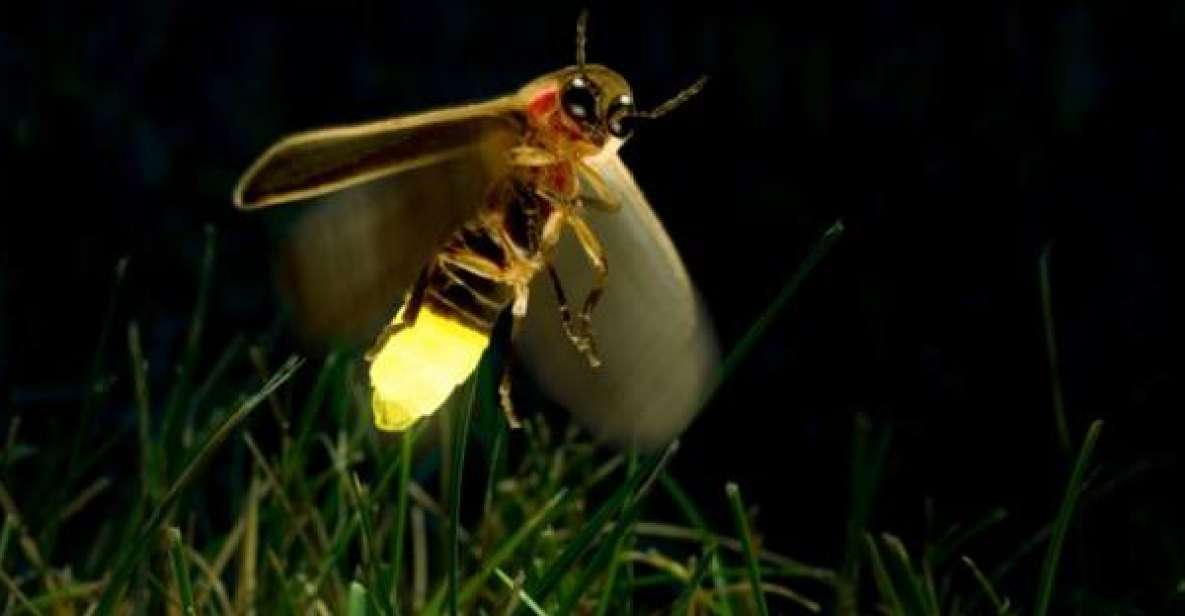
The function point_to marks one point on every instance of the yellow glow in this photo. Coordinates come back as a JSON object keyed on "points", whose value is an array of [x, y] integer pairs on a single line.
{"points": [[417, 368]]}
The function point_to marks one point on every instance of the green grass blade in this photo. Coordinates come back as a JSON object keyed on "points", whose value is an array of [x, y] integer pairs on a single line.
{"points": [[868, 458], [358, 599], [132, 553], [148, 478], [742, 524], [181, 571], [686, 602], [542, 588], [501, 554], [910, 582], [771, 313], [884, 583], [526, 599], [685, 504], [406, 451], [6, 536], [693, 515], [459, 445], [986, 586], [1062, 524], [1055, 378], [609, 551]]}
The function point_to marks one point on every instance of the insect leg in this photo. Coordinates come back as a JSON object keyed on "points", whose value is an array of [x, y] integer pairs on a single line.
{"points": [[411, 310], [604, 200], [518, 312], [596, 256], [582, 340]]}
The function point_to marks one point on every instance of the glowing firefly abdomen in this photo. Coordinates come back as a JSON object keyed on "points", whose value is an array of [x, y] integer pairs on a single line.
{"points": [[472, 279]]}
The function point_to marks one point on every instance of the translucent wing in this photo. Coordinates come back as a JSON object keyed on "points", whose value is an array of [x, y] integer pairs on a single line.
{"points": [[657, 344], [318, 162], [390, 192]]}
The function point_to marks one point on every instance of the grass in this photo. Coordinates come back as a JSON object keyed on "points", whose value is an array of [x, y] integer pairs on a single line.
{"points": [[266, 490]]}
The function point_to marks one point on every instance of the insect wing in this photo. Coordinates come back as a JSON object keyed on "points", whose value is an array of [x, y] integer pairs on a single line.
{"points": [[349, 256], [657, 344], [317, 162]]}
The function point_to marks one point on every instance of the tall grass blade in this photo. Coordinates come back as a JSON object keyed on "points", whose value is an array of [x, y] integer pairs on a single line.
{"points": [[181, 571], [742, 524], [1062, 524], [884, 582], [459, 445], [757, 330], [1055, 375]]}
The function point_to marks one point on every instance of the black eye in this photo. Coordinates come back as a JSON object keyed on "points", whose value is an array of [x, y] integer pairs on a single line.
{"points": [[579, 100], [621, 117]]}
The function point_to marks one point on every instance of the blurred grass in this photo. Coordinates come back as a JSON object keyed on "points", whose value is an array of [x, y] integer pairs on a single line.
{"points": [[310, 511]]}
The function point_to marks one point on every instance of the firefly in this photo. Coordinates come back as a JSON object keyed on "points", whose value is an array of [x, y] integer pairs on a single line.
{"points": [[457, 215]]}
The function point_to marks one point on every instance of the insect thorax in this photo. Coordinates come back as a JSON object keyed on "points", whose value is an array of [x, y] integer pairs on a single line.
{"points": [[482, 266]]}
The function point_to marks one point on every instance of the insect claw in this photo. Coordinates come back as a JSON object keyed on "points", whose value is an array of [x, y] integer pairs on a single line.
{"points": [[512, 420]]}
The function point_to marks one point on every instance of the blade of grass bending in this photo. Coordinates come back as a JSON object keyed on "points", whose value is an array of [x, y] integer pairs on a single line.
{"points": [[545, 585], [742, 523], [1062, 523], [757, 330], [181, 571], [612, 544], [1055, 378], [460, 440], [130, 556]]}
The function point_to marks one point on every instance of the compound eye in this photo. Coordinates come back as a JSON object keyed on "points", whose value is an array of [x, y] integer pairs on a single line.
{"points": [[579, 100], [621, 117]]}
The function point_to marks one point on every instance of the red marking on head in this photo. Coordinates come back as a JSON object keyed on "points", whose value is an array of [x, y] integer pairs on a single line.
{"points": [[544, 103], [544, 111]]}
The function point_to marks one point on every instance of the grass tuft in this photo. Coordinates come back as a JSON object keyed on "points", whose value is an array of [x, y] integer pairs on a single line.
{"points": [[310, 510]]}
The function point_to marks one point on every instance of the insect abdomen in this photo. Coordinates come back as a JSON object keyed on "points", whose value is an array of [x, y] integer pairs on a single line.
{"points": [[419, 366]]}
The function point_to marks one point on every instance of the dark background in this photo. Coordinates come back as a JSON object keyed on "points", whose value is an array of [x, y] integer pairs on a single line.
{"points": [[956, 144]]}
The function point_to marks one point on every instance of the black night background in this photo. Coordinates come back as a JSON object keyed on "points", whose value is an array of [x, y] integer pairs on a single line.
{"points": [[958, 146]]}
